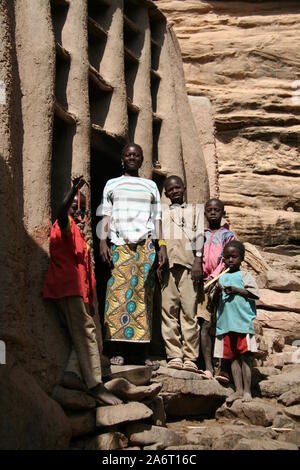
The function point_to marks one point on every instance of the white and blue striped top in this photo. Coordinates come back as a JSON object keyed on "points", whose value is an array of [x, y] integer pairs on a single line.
{"points": [[133, 205]]}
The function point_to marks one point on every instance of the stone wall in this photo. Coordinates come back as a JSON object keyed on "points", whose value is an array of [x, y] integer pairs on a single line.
{"points": [[244, 57]]}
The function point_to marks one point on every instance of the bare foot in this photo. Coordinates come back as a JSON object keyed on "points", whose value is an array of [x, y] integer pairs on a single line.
{"points": [[101, 393], [234, 396], [247, 397], [153, 364], [117, 361], [127, 391]]}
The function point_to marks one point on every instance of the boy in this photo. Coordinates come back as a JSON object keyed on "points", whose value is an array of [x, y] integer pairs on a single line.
{"points": [[180, 329], [236, 311], [216, 236], [70, 283]]}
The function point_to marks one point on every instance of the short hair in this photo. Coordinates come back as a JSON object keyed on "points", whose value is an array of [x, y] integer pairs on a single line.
{"points": [[214, 199], [132, 144], [238, 245], [173, 177]]}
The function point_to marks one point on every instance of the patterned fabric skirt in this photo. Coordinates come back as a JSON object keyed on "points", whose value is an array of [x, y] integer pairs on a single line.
{"points": [[129, 294]]}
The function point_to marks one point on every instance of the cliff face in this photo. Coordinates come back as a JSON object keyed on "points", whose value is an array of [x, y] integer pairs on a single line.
{"points": [[245, 56]]}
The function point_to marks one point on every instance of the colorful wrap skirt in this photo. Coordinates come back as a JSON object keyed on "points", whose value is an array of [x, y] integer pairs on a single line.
{"points": [[129, 294]]}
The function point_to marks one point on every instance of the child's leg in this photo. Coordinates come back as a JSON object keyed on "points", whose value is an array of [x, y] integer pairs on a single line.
{"points": [[236, 370], [246, 360]]}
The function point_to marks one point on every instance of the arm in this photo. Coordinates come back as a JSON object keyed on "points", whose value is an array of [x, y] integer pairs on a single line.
{"points": [[105, 253], [162, 250], [77, 183], [239, 291]]}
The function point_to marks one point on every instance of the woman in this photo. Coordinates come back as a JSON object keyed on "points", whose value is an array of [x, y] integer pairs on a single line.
{"points": [[131, 220]]}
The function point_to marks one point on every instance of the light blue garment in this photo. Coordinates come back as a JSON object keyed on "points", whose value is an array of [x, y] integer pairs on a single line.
{"points": [[235, 313]]}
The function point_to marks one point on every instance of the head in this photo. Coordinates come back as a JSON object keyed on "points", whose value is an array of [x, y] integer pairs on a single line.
{"points": [[214, 212], [78, 213], [132, 158], [234, 254], [174, 189]]}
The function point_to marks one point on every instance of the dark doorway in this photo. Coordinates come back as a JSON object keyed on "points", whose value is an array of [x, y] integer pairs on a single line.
{"points": [[105, 164]]}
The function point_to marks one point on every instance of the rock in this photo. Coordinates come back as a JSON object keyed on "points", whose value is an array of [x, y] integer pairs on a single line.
{"points": [[157, 446], [73, 399], [226, 436], [185, 447], [283, 421], [292, 397], [159, 414], [293, 412], [281, 281], [262, 373], [30, 420], [285, 323], [186, 394], [130, 392], [279, 359], [256, 412], [106, 441], [279, 300], [137, 375], [265, 444], [291, 436], [146, 434], [274, 340], [279, 384], [124, 413], [82, 423]]}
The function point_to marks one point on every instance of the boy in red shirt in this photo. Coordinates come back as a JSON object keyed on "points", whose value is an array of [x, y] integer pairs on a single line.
{"points": [[70, 283]]}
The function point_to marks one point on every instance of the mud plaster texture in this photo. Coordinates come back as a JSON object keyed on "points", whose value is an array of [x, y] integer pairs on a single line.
{"points": [[81, 81]]}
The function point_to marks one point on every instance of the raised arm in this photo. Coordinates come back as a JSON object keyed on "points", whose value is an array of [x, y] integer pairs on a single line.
{"points": [[77, 183]]}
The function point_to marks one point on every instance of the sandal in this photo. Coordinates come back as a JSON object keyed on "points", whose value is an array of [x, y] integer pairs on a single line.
{"points": [[175, 363], [222, 379], [190, 366], [117, 361], [206, 374]]}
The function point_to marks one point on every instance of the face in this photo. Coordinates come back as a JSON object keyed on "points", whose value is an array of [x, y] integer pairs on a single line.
{"points": [[175, 191], [214, 212], [232, 258], [132, 159], [77, 214]]}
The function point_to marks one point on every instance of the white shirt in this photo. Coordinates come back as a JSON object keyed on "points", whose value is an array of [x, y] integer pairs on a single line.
{"points": [[133, 205]]}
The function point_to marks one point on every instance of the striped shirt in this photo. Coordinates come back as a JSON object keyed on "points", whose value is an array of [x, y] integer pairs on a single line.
{"points": [[133, 205]]}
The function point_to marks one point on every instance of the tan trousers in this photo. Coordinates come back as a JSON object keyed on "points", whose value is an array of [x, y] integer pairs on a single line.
{"points": [[84, 359], [180, 329]]}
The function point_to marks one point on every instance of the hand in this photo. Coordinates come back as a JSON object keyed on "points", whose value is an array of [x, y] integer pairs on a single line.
{"points": [[162, 258], [78, 182], [197, 273], [230, 290], [105, 254]]}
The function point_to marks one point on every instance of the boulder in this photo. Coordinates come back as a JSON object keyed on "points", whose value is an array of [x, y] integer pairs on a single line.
{"points": [[146, 434], [291, 436], [293, 412], [30, 419], [264, 444], [283, 422], [256, 412], [73, 399], [274, 340], [291, 397], [285, 323], [124, 413], [187, 394], [279, 281], [278, 384], [278, 360], [279, 300], [159, 415]]}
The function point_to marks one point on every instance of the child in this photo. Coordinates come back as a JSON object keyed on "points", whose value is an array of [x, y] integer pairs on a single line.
{"points": [[235, 338], [215, 239], [180, 329], [70, 283]]}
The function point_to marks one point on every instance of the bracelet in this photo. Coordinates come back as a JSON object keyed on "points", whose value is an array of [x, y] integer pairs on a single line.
{"points": [[161, 243]]}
